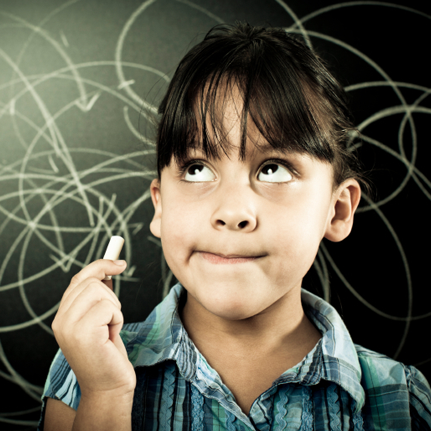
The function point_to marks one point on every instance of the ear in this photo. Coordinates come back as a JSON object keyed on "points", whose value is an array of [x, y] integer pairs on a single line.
{"points": [[345, 201], [156, 197]]}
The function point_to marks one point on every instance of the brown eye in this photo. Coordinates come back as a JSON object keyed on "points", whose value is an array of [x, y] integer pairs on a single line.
{"points": [[198, 172], [269, 169], [195, 169], [274, 173]]}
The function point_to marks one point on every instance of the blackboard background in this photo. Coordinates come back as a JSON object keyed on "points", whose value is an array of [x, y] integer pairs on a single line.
{"points": [[79, 82]]}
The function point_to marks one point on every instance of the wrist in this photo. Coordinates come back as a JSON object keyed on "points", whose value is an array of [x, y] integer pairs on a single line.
{"points": [[121, 395], [104, 411]]}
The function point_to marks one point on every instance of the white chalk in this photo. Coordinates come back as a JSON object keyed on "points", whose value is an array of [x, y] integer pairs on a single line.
{"points": [[113, 250]]}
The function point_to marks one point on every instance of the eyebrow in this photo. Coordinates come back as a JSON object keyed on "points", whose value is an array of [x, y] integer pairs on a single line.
{"points": [[260, 148], [264, 148], [268, 148]]}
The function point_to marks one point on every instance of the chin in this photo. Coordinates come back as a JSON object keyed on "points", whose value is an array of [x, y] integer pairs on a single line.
{"points": [[231, 310]]}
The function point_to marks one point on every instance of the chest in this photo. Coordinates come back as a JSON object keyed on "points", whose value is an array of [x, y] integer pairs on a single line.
{"points": [[247, 380], [165, 401]]}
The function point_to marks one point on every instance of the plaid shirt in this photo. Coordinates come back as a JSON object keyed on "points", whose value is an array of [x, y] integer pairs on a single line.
{"points": [[337, 386]]}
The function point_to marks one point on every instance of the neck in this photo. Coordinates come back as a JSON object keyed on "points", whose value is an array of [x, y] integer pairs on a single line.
{"points": [[284, 324]]}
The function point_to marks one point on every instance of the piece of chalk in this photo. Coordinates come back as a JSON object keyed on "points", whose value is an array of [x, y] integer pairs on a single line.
{"points": [[113, 250]]}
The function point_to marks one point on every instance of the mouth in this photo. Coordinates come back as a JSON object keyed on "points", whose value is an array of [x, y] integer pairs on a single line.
{"points": [[227, 259]]}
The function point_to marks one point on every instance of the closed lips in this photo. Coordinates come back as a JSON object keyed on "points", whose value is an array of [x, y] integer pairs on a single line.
{"points": [[229, 259]]}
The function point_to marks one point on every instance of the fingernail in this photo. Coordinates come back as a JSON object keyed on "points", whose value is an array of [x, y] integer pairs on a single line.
{"points": [[120, 262]]}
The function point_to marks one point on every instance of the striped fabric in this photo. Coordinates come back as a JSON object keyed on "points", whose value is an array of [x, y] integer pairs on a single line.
{"points": [[337, 386]]}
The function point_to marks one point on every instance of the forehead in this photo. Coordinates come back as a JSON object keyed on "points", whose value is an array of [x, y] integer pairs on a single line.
{"points": [[224, 126]]}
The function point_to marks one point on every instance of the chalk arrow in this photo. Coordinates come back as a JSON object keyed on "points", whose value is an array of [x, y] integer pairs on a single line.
{"points": [[126, 84], [138, 227], [66, 264], [85, 107]]}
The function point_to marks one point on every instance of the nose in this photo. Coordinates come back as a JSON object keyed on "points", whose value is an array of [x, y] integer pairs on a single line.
{"points": [[235, 211]]}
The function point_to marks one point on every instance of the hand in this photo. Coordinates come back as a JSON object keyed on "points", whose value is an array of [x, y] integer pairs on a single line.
{"points": [[87, 327]]}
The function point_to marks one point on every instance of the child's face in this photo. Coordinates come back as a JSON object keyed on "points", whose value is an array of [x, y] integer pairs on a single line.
{"points": [[235, 240]]}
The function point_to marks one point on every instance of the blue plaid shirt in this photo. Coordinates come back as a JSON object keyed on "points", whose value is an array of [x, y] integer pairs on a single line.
{"points": [[337, 386]]}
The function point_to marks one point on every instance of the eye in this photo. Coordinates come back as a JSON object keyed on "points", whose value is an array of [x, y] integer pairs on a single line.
{"points": [[198, 172], [274, 173]]}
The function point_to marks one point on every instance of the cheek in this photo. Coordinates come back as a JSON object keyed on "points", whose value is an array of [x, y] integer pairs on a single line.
{"points": [[180, 225], [299, 228]]}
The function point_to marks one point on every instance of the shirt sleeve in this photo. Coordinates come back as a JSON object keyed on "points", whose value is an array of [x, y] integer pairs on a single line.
{"points": [[61, 384], [420, 399]]}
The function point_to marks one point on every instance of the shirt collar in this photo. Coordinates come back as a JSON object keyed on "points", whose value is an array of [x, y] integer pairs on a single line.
{"points": [[163, 337], [340, 363]]}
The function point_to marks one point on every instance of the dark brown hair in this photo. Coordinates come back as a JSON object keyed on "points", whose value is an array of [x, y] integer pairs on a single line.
{"points": [[287, 92]]}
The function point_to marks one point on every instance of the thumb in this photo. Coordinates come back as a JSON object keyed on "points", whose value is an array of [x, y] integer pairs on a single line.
{"points": [[114, 271]]}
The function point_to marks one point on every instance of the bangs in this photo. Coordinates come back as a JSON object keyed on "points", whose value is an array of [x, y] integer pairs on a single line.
{"points": [[278, 95]]}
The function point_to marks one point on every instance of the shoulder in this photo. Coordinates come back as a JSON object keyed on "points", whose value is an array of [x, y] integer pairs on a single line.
{"points": [[388, 382], [379, 369]]}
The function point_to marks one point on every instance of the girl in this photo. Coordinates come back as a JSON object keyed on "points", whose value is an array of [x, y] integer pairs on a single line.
{"points": [[254, 171]]}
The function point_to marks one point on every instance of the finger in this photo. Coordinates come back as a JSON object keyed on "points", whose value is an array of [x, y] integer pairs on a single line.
{"points": [[85, 296], [98, 269], [74, 293], [91, 331], [97, 322]]}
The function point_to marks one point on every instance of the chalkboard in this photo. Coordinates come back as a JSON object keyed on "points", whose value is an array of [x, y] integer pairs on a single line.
{"points": [[80, 82]]}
